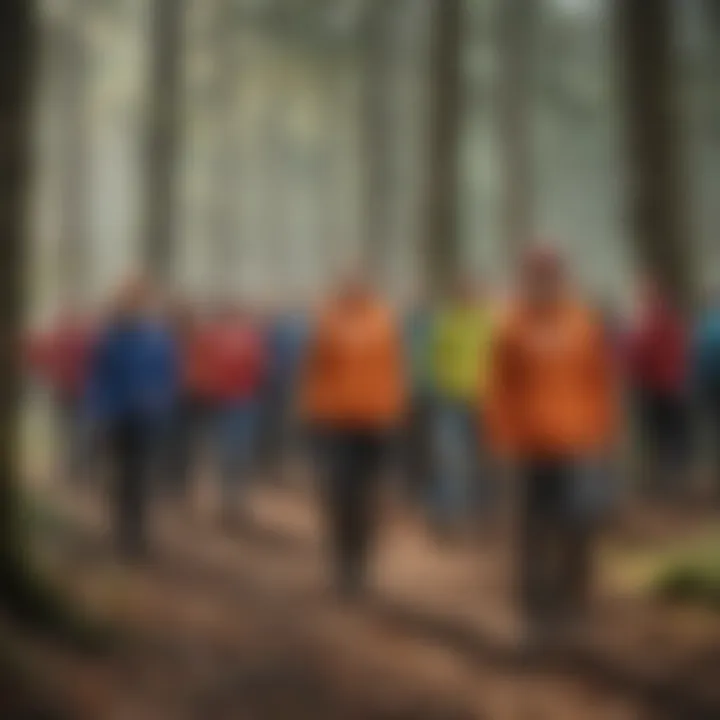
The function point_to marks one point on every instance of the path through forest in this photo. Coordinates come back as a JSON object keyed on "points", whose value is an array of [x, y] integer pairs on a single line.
{"points": [[228, 626]]}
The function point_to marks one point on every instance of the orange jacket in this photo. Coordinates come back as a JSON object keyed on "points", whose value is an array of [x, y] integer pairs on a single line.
{"points": [[552, 387], [353, 375]]}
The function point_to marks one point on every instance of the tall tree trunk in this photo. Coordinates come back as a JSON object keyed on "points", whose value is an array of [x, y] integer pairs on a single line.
{"points": [[442, 255], [163, 127], [377, 144], [516, 25], [658, 208], [74, 255], [223, 197], [16, 75]]}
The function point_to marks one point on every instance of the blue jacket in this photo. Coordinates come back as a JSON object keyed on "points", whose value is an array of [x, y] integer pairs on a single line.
{"points": [[706, 355], [134, 373]]}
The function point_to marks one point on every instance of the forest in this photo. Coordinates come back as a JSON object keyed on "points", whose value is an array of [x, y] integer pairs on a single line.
{"points": [[259, 149]]}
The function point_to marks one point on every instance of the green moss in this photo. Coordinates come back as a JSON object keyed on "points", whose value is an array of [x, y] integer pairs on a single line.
{"points": [[693, 580]]}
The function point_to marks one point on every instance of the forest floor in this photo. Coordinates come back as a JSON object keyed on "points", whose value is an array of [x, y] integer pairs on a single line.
{"points": [[244, 625]]}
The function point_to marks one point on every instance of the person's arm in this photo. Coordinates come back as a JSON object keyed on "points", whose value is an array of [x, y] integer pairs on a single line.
{"points": [[605, 385], [312, 368], [397, 360], [498, 402]]}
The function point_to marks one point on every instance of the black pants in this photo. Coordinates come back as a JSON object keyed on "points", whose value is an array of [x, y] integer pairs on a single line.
{"points": [[130, 457], [665, 435], [555, 558], [351, 463], [184, 445]]}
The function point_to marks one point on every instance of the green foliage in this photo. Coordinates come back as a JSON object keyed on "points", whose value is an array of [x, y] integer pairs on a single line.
{"points": [[694, 580]]}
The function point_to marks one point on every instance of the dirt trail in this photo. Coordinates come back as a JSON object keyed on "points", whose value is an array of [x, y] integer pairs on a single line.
{"points": [[244, 625]]}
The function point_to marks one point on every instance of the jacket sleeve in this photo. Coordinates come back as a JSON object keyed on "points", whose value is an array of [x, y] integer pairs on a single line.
{"points": [[311, 369], [398, 367], [498, 403]]}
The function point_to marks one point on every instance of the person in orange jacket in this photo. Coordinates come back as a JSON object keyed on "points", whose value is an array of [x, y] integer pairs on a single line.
{"points": [[551, 406], [353, 396]]}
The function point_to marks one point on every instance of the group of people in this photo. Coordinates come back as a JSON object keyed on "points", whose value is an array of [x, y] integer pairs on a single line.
{"points": [[440, 397]]}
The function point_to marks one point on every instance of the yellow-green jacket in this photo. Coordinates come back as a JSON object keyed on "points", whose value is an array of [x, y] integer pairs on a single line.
{"points": [[460, 352]]}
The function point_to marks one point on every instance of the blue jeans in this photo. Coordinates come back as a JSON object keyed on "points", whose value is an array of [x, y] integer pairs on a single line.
{"points": [[459, 485], [235, 432]]}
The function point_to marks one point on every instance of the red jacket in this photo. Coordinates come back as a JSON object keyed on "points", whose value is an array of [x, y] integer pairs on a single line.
{"points": [[658, 351], [61, 357], [234, 360]]}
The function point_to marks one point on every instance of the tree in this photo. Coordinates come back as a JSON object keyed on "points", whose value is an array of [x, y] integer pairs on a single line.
{"points": [[163, 128], [658, 208], [376, 128], [442, 242], [16, 47], [517, 21], [74, 71], [24, 595], [222, 98]]}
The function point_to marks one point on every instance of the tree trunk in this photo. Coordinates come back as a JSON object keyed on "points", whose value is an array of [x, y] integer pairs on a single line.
{"points": [[658, 207], [163, 127], [377, 145], [16, 77], [74, 256], [442, 254], [516, 34], [224, 197]]}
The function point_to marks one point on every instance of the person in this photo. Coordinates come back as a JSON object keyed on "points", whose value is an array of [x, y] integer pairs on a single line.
{"points": [[417, 455], [193, 408], [287, 340], [658, 378], [460, 349], [551, 408], [131, 392], [706, 375], [237, 365], [353, 396], [59, 357]]}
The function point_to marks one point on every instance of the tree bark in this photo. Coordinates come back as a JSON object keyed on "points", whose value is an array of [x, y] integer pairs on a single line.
{"points": [[16, 78], [163, 134], [74, 260], [517, 20], [377, 144], [442, 254], [657, 201], [224, 197]]}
